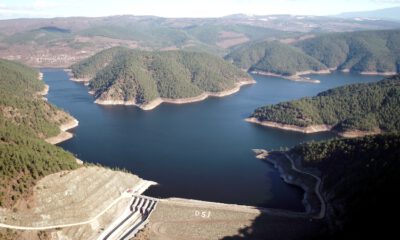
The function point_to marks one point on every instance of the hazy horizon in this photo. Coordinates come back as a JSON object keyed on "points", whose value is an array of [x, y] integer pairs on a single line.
{"points": [[184, 9]]}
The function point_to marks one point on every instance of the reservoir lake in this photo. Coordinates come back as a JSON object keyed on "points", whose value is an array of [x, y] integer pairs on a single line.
{"points": [[200, 150]]}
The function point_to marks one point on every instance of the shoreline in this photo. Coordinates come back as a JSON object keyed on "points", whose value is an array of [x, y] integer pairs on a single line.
{"points": [[357, 133], [297, 77], [313, 201], [46, 88], [72, 78], [45, 91], [313, 128], [72, 123], [288, 127], [156, 102], [64, 135], [378, 73]]}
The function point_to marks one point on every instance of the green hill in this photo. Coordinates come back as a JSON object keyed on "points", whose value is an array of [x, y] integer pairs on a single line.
{"points": [[89, 67], [360, 178], [364, 107], [20, 104], [25, 120], [366, 51], [273, 57], [121, 74]]}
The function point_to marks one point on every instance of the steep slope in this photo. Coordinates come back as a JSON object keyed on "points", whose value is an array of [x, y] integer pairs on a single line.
{"points": [[364, 52], [25, 120], [145, 79], [351, 110], [360, 178], [274, 57]]}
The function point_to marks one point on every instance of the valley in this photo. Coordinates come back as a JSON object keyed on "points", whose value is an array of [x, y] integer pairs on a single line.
{"points": [[242, 126]]}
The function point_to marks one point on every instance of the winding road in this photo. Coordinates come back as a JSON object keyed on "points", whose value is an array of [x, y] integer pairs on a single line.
{"points": [[317, 188]]}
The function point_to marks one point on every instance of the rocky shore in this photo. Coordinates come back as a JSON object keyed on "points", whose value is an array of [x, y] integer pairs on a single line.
{"points": [[309, 129], [379, 73], [298, 77], [358, 133], [64, 135], [291, 173], [72, 78], [154, 103], [314, 128], [45, 90]]}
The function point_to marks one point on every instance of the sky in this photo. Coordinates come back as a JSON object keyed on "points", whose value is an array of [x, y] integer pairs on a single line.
{"points": [[183, 8]]}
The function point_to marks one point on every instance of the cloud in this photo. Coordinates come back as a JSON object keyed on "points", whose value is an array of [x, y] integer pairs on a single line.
{"points": [[43, 4], [387, 1], [39, 8]]}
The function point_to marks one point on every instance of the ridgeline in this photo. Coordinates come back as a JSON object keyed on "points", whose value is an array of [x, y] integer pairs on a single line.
{"points": [[367, 52]]}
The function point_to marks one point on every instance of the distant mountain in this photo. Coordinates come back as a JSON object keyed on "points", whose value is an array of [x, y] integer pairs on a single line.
{"points": [[237, 16], [61, 42], [387, 14], [369, 108], [124, 76], [362, 52]]}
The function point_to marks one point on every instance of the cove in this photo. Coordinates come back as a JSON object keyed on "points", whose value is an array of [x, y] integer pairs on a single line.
{"points": [[200, 150]]}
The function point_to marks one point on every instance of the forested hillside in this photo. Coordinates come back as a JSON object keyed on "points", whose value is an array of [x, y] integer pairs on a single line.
{"points": [[140, 76], [89, 67], [25, 120], [273, 57], [360, 178], [365, 51], [365, 107], [20, 104]]}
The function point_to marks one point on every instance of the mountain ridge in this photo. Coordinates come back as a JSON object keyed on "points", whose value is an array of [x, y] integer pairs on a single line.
{"points": [[365, 52]]}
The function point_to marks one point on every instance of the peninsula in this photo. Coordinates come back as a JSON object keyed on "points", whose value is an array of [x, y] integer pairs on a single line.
{"points": [[352, 111], [121, 76]]}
